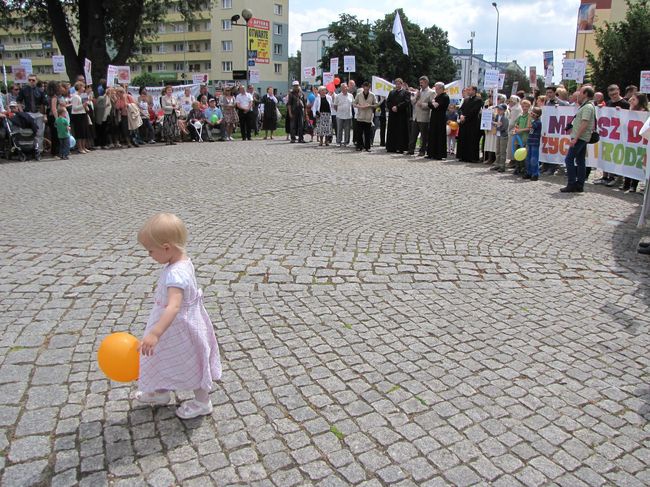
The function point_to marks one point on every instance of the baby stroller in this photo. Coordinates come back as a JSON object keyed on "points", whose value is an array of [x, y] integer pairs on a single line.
{"points": [[20, 142]]}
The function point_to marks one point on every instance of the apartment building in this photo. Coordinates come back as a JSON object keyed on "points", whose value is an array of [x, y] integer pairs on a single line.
{"points": [[211, 43]]}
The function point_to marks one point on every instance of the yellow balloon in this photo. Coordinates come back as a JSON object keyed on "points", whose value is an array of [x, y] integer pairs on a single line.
{"points": [[520, 154], [118, 357]]}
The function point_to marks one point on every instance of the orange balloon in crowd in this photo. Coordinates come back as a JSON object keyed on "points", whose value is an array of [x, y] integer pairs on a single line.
{"points": [[330, 87], [337, 81], [119, 358], [453, 125]]}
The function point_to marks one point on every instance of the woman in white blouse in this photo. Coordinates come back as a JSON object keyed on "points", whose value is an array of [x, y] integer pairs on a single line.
{"points": [[79, 117]]}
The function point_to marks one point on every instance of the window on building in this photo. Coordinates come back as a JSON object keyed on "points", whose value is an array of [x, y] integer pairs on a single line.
{"points": [[149, 68], [226, 24], [277, 67], [179, 47], [146, 50], [179, 67], [160, 66], [277, 49], [135, 68], [208, 66], [226, 66], [277, 9], [208, 25], [277, 29], [226, 3], [206, 45], [180, 27], [159, 48], [226, 46], [161, 28]]}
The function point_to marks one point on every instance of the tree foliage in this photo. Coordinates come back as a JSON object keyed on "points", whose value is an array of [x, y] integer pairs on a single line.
{"points": [[294, 66], [145, 79], [106, 32], [623, 48], [377, 53]]}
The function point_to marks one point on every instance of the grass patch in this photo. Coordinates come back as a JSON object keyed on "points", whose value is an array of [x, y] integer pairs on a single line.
{"points": [[393, 389], [337, 432], [16, 348], [347, 325], [422, 401]]}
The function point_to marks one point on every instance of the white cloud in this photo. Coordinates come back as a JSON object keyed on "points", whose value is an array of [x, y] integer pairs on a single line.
{"points": [[526, 29]]}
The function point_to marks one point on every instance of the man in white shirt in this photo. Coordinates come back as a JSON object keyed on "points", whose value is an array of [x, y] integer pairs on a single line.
{"points": [[244, 104], [343, 105], [421, 116]]}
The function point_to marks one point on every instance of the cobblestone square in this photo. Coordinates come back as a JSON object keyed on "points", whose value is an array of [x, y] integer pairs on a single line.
{"points": [[383, 320]]}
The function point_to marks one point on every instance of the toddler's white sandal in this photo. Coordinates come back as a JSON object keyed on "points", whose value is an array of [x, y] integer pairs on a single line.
{"points": [[155, 398], [193, 409]]}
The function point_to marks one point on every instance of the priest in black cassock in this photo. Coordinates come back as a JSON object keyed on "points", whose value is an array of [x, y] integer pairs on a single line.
{"points": [[398, 107], [469, 134], [437, 149]]}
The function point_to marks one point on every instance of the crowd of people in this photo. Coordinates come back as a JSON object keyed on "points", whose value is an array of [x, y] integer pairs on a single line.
{"points": [[410, 120]]}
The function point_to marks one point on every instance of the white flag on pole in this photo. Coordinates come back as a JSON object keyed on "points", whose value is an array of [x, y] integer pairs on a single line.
{"points": [[398, 32]]}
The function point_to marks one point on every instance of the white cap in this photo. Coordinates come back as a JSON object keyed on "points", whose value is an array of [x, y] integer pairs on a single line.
{"points": [[295, 83]]}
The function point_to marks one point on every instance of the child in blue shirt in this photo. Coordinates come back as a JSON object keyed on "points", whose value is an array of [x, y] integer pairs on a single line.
{"points": [[534, 136]]}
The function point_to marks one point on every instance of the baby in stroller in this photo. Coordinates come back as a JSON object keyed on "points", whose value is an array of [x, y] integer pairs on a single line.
{"points": [[19, 134]]}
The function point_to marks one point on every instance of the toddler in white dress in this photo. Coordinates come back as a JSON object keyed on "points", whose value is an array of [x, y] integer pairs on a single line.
{"points": [[179, 350]]}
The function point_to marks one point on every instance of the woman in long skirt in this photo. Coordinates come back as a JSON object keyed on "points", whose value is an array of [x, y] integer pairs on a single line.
{"points": [[170, 120], [322, 111], [270, 117]]}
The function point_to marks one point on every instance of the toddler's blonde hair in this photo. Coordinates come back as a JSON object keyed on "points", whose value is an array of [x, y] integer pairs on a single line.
{"points": [[164, 228]]}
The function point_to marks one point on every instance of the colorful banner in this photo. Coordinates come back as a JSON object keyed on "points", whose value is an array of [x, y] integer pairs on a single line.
{"points": [[349, 64], [259, 40], [155, 92], [491, 79], [88, 65], [621, 150], [455, 91], [586, 17], [328, 78], [381, 87], [334, 65], [58, 64]]}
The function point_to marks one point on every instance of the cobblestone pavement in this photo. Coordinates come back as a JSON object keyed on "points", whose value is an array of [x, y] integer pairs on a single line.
{"points": [[383, 321]]}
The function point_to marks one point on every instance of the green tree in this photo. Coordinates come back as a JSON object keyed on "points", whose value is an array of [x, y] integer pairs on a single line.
{"points": [[353, 38], [145, 79], [294, 66], [623, 48], [102, 31], [443, 68]]}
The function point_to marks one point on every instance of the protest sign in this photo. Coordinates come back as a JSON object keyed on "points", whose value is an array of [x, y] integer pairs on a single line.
{"points": [[502, 80], [124, 75], [455, 91], [309, 74], [491, 79], [486, 119], [88, 71], [58, 64], [156, 92], [549, 70], [533, 77], [644, 85], [515, 85], [328, 78], [580, 69], [381, 87], [254, 76], [201, 78], [349, 64], [27, 64], [111, 74], [569, 69], [622, 149], [334, 65], [20, 75]]}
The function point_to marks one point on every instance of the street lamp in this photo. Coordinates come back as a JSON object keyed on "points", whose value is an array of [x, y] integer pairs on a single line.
{"points": [[471, 57], [496, 50], [246, 14]]}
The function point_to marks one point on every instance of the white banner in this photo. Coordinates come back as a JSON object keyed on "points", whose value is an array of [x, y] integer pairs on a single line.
{"points": [[88, 65], [381, 87], [111, 74], [455, 92], [644, 85], [309, 74], [621, 150], [349, 64], [58, 64], [254, 75], [502, 80], [580, 69], [156, 92], [568, 69], [334, 65], [491, 79]]}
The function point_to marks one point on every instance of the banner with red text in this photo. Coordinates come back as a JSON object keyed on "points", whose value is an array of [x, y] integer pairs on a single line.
{"points": [[621, 150]]}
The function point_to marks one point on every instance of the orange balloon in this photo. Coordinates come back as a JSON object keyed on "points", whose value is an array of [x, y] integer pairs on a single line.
{"points": [[453, 125], [118, 357]]}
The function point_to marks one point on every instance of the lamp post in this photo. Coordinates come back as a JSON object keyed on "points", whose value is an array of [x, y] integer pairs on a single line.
{"points": [[496, 50], [471, 57], [246, 14]]}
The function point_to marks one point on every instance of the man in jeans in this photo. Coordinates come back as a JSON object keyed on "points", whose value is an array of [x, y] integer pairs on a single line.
{"points": [[582, 128], [343, 104]]}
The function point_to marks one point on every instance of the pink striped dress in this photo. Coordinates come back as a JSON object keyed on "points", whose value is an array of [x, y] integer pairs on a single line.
{"points": [[187, 355]]}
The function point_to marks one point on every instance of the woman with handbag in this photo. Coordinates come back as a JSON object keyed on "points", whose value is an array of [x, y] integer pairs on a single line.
{"points": [[270, 112]]}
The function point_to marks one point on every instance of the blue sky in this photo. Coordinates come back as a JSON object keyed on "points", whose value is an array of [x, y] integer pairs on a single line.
{"points": [[526, 28]]}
